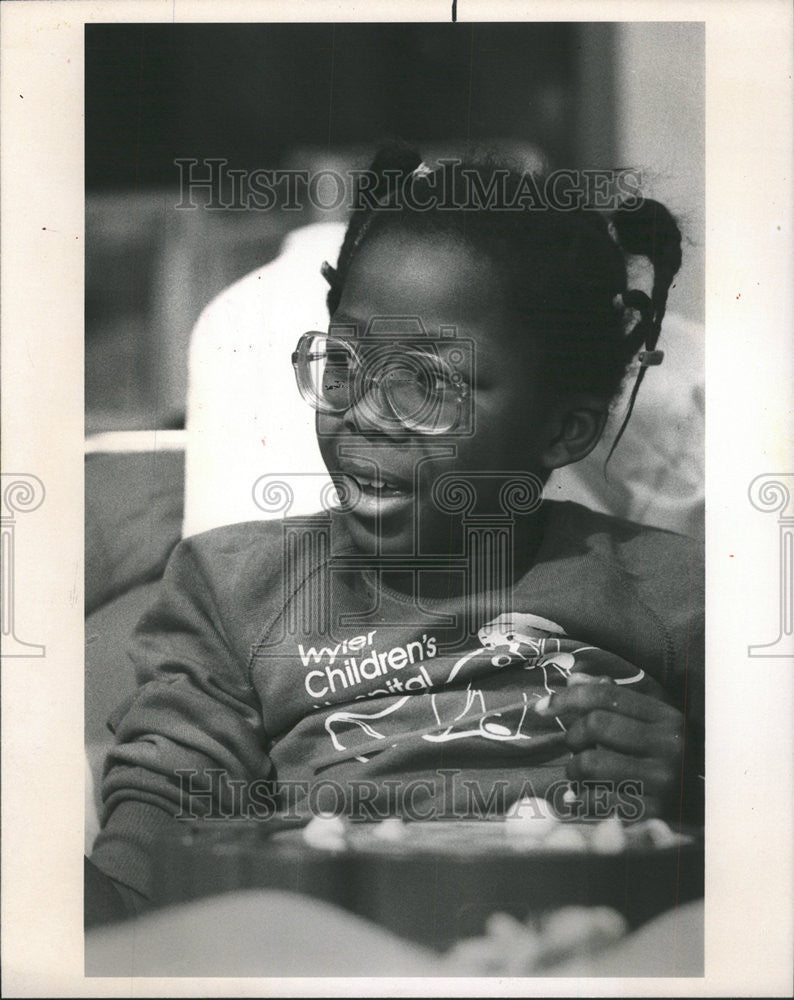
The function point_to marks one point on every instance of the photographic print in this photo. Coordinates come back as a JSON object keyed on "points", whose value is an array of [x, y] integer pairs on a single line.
{"points": [[394, 416]]}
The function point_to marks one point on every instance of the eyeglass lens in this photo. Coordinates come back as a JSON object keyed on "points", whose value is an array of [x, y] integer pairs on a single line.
{"points": [[391, 384]]}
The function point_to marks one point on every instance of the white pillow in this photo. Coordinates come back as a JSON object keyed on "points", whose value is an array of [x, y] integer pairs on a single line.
{"points": [[245, 417]]}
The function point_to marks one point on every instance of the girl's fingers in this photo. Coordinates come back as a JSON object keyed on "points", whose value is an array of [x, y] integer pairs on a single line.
{"points": [[584, 672], [582, 698], [623, 733], [656, 780]]}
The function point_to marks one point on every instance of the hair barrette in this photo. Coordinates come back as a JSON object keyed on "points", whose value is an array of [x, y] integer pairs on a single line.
{"points": [[649, 358]]}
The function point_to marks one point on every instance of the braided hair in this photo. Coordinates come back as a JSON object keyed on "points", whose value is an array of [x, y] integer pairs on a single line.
{"points": [[563, 273]]}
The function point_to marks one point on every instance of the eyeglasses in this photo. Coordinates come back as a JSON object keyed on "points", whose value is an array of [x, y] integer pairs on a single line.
{"points": [[396, 384]]}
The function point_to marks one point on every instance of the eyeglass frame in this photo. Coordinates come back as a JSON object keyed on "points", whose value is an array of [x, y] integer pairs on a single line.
{"points": [[461, 386]]}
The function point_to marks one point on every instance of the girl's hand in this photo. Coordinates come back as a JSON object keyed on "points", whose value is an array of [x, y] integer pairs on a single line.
{"points": [[616, 735]]}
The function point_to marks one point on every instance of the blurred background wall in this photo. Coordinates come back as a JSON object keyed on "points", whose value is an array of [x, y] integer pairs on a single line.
{"points": [[660, 91], [278, 95]]}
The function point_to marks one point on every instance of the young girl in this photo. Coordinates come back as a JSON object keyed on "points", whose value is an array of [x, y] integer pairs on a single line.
{"points": [[442, 643]]}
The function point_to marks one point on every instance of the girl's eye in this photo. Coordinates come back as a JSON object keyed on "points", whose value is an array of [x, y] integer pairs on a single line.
{"points": [[338, 358], [423, 376]]}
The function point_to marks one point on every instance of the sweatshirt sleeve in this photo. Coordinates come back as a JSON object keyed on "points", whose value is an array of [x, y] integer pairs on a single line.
{"points": [[195, 723]]}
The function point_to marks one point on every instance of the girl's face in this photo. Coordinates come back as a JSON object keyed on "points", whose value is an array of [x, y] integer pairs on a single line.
{"points": [[443, 285]]}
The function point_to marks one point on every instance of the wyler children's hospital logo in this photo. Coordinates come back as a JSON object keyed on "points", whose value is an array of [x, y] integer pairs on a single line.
{"points": [[355, 662], [443, 698]]}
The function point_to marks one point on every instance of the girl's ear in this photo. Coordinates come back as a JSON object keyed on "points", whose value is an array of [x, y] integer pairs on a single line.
{"points": [[573, 427]]}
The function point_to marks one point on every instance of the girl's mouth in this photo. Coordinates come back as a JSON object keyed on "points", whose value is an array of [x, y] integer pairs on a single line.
{"points": [[377, 487], [376, 496]]}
